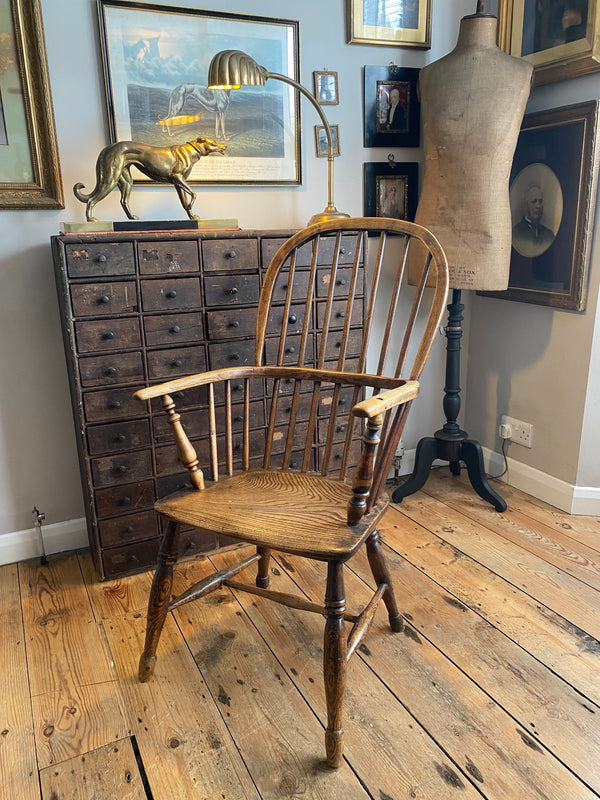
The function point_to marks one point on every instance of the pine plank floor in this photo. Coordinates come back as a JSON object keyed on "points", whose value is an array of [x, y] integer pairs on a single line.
{"points": [[491, 691]]}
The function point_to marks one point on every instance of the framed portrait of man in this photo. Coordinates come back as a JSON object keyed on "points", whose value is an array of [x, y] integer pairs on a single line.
{"points": [[392, 112], [553, 187]]}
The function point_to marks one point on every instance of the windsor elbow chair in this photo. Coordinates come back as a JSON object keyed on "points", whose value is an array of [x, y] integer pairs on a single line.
{"points": [[315, 485]]}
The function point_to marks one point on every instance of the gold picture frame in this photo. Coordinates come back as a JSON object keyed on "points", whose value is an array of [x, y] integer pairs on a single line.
{"points": [[406, 24], [326, 88], [321, 148], [29, 165], [559, 46]]}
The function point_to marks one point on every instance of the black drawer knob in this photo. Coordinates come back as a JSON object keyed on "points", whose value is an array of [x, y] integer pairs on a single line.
{"points": [[121, 469], [238, 446], [179, 395], [235, 323], [292, 319], [291, 349], [115, 404], [343, 401], [233, 290], [231, 254], [341, 314], [172, 294], [343, 251], [125, 500], [342, 282], [238, 387], [129, 529], [121, 437], [133, 559], [108, 335], [235, 357], [104, 299], [341, 428], [101, 259], [175, 329], [110, 372], [338, 345], [239, 418], [293, 464], [177, 362], [338, 456]]}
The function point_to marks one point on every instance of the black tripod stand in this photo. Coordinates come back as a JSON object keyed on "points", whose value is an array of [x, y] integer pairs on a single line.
{"points": [[451, 443]]}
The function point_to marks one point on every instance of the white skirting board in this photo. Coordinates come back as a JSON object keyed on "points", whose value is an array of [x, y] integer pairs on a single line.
{"points": [[21, 545], [582, 500]]}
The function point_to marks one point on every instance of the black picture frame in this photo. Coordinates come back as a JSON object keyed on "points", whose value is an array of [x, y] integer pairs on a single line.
{"points": [[400, 176], [556, 167], [380, 85]]}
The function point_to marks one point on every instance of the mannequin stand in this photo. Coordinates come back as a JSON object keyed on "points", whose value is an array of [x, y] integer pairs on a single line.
{"points": [[451, 443]]}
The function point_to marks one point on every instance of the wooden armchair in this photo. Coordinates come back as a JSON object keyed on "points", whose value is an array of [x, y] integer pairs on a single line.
{"points": [[311, 480]]}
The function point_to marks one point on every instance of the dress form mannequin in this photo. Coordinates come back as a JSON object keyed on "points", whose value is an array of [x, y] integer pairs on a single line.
{"points": [[472, 106]]}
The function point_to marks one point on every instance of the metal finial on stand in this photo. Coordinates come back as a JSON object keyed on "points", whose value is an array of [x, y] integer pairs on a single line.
{"points": [[480, 7]]}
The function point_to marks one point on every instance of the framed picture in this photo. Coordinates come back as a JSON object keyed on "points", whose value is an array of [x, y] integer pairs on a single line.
{"points": [[406, 23], [553, 197], [29, 166], [321, 140], [392, 112], [326, 88], [560, 39], [391, 189], [156, 61]]}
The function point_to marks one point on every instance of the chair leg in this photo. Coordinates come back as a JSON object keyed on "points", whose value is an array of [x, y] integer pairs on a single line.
{"points": [[382, 575], [334, 662], [158, 604], [262, 578]]}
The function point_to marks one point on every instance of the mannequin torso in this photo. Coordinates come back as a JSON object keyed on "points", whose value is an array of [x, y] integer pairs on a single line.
{"points": [[472, 105]]}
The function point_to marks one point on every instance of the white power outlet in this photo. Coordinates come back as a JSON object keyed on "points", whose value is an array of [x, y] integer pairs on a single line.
{"points": [[519, 432]]}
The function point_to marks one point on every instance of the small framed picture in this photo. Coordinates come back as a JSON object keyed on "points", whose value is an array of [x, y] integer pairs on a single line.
{"points": [[391, 189], [404, 23], [326, 88], [392, 112], [553, 187], [321, 140]]}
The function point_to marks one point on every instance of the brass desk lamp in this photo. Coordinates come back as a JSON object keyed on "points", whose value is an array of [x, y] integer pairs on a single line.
{"points": [[231, 69]]}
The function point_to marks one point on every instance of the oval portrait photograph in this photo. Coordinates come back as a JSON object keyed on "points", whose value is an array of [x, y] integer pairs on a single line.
{"points": [[536, 204]]}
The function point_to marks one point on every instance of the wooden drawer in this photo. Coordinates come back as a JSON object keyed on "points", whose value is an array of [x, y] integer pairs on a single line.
{"points": [[170, 294], [175, 362], [295, 318], [338, 314], [221, 290], [170, 484], [173, 256], [231, 354], [291, 349], [334, 343], [97, 259], [232, 323], [271, 246], [103, 299], [173, 328], [344, 400], [335, 461], [111, 368], [229, 255], [195, 541], [112, 404], [114, 334], [284, 407], [121, 499], [280, 437], [342, 282], [299, 289], [118, 436], [167, 457], [195, 424], [130, 528], [191, 398], [340, 429], [122, 468], [304, 255], [130, 558]]}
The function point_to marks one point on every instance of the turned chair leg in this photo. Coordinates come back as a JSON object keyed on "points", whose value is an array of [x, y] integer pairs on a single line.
{"points": [[262, 578], [334, 662], [381, 574], [160, 595]]}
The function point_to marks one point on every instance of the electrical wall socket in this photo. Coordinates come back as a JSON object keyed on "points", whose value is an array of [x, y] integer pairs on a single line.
{"points": [[520, 432]]}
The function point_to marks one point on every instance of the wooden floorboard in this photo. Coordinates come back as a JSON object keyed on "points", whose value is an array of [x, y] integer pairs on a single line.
{"points": [[491, 691]]}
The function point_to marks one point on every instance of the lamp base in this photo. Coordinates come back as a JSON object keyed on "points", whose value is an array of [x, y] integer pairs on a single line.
{"points": [[330, 212]]}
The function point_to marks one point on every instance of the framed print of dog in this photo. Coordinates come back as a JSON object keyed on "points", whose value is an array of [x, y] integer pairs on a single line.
{"points": [[156, 61], [553, 187]]}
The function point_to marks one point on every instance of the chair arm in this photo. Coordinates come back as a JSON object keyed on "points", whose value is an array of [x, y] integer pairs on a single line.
{"points": [[382, 402]]}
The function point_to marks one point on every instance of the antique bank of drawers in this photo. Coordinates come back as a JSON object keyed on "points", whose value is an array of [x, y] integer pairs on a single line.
{"points": [[142, 308]]}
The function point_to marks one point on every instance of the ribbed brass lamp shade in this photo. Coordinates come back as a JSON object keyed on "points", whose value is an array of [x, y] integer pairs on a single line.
{"points": [[231, 69]]}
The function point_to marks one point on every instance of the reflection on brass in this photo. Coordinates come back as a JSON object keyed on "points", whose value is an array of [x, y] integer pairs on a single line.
{"points": [[162, 164]]}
